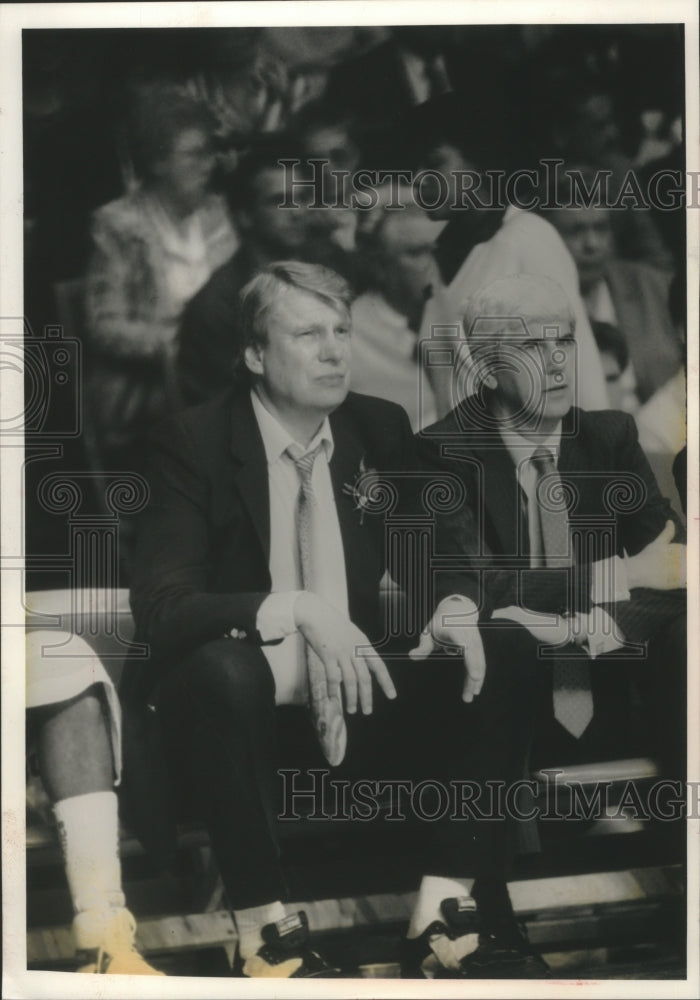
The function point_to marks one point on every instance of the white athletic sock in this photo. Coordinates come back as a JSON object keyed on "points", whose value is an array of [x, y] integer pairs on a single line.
{"points": [[250, 922], [88, 828], [433, 889]]}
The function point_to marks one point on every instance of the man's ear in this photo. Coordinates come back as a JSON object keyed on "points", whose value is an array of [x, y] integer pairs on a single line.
{"points": [[253, 359]]}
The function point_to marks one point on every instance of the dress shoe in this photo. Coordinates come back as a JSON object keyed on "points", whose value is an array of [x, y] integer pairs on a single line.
{"points": [[455, 947], [285, 953]]}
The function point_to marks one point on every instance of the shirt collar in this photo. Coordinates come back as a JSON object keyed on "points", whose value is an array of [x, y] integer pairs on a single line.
{"points": [[276, 438], [521, 449]]}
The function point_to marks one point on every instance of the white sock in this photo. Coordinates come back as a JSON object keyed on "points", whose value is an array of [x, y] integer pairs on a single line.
{"points": [[433, 889], [250, 922], [88, 828]]}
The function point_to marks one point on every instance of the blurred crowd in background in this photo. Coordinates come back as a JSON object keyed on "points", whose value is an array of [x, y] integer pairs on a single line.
{"points": [[153, 190]]}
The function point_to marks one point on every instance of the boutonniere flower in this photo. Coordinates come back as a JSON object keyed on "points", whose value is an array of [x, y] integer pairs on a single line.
{"points": [[361, 489]]}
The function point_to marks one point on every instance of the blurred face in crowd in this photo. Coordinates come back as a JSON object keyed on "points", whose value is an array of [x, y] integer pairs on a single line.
{"points": [[184, 174], [532, 365], [304, 363], [595, 133], [405, 243], [588, 235], [332, 143], [281, 231], [445, 159]]}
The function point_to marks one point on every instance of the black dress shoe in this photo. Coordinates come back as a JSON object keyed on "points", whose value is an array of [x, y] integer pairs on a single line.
{"points": [[439, 952], [285, 953]]}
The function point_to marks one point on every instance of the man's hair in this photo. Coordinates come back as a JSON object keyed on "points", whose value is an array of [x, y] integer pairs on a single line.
{"points": [[266, 153], [269, 285], [508, 303], [319, 114], [478, 134]]}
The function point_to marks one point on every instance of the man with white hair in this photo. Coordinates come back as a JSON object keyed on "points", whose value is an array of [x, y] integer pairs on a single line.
{"points": [[572, 522]]}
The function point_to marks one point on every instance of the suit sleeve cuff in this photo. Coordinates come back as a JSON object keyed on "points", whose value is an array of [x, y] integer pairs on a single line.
{"points": [[276, 616], [609, 581], [602, 633]]}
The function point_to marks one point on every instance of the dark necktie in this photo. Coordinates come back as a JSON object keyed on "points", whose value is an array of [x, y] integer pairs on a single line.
{"points": [[326, 712], [572, 696]]}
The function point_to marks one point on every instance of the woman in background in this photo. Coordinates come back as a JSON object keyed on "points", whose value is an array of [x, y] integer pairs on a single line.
{"points": [[153, 249]]}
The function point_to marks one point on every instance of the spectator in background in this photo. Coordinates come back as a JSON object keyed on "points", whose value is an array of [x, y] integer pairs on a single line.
{"points": [[386, 318], [152, 250], [578, 122], [614, 356], [326, 135], [481, 244], [624, 293], [662, 422], [418, 63], [256, 192], [410, 67], [245, 87]]}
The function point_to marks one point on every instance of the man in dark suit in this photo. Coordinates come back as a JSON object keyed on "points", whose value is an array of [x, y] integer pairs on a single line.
{"points": [[577, 540], [256, 584]]}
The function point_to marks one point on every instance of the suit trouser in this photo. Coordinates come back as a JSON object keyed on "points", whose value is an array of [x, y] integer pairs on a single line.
{"points": [[655, 678], [220, 723]]}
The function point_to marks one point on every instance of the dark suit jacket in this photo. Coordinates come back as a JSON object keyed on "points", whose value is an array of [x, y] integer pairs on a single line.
{"points": [[201, 563], [640, 297], [615, 505]]}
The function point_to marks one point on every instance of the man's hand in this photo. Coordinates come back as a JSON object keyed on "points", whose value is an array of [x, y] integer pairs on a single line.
{"points": [[455, 624], [661, 565], [552, 629], [345, 652]]}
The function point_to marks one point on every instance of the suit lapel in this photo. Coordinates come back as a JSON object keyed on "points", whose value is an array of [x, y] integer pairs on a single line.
{"points": [[251, 476], [345, 467], [500, 501], [573, 459], [502, 498]]}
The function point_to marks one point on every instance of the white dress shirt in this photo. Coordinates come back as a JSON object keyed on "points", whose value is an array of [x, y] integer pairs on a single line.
{"points": [[276, 613], [608, 576]]}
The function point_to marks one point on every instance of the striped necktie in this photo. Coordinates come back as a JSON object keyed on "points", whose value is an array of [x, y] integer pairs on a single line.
{"points": [[571, 687], [326, 712]]}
